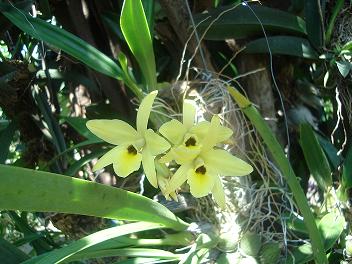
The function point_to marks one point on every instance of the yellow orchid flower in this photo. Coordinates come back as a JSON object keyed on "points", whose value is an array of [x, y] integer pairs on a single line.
{"points": [[203, 172], [187, 137], [133, 146]]}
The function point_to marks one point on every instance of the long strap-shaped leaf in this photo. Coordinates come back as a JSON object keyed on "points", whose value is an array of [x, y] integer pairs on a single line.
{"points": [[39, 191], [274, 147], [135, 29], [75, 247], [63, 40]]}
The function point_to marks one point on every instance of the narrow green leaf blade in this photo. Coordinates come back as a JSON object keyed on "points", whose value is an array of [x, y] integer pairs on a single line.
{"points": [[283, 45], [136, 32], [63, 40], [59, 255], [315, 157], [126, 252], [284, 165], [240, 22], [38, 191]]}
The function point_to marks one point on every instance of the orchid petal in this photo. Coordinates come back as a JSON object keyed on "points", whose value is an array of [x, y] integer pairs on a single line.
{"points": [[200, 129], [125, 162], [168, 157], [178, 179], [155, 143], [218, 193], [107, 159], [226, 164], [210, 139], [174, 131], [189, 113], [224, 133], [113, 131], [183, 154], [200, 184], [144, 112], [149, 167]]}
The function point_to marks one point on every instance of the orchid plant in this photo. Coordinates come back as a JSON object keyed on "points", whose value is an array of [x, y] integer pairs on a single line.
{"points": [[192, 147]]}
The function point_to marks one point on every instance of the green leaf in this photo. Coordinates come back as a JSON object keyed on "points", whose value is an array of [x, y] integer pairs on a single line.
{"points": [[283, 45], [135, 29], [126, 252], [77, 146], [59, 255], [148, 6], [75, 167], [330, 151], [315, 157], [240, 22], [330, 227], [6, 136], [69, 43], [314, 21], [142, 261], [38, 191], [284, 165], [344, 67]]}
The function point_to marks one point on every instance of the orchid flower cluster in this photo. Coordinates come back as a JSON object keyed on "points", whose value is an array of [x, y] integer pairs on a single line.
{"points": [[191, 147]]}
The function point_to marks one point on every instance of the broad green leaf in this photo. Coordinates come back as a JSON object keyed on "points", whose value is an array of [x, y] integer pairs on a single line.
{"points": [[59, 255], [6, 136], [344, 67], [148, 6], [315, 157], [68, 42], [240, 22], [135, 29], [283, 45], [330, 227], [9, 254], [38, 191], [314, 22], [330, 151]]}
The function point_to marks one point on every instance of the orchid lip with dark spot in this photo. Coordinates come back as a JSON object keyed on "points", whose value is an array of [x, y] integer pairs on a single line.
{"points": [[190, 142], [132, 150], [201, 170]]}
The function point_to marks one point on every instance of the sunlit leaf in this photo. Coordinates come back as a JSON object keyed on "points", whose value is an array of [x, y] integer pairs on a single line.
{"points": [[38, 191], [136, 32]]}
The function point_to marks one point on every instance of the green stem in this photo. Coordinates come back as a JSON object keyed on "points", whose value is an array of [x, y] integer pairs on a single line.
{"points": [[278, 154]]}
